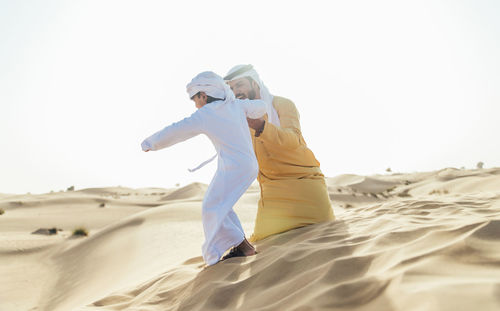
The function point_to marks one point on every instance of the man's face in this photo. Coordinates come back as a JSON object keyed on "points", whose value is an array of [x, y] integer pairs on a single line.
{"points": [[200, 99], [244, 88]]}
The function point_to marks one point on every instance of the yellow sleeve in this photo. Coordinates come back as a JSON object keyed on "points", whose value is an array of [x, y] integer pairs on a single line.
{"points": [[288, 134]]}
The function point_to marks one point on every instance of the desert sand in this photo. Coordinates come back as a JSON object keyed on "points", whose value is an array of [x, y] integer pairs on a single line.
{"points": [[419, 241]]}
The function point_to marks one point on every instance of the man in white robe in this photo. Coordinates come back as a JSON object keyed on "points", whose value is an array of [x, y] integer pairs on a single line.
{"points": [[223, 118]]}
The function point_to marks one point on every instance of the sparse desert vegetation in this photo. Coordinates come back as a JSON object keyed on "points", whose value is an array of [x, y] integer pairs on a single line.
{"points": [[404, 193], [47, 231], [81, 231], [437, 191]]}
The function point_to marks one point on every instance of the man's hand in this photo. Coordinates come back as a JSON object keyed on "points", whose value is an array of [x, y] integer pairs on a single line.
{"points": [[256, 124], [145, 146]]}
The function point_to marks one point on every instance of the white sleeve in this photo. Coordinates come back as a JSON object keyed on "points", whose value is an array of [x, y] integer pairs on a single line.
{"points": [[254, 109], [175, 133]]}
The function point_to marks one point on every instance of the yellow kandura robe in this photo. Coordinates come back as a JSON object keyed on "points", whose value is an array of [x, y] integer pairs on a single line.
{"points": [[293, 189]]}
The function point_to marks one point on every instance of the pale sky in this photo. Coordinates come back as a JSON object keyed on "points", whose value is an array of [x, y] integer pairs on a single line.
{"points": [[410, 85]]}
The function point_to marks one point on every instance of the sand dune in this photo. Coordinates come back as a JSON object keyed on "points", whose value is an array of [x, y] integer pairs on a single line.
{"points": [[421, 241], [194, 191]]}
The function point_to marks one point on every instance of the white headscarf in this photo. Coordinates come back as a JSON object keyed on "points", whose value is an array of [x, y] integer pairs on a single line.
{"points": [[212, 84], [248, 71]]}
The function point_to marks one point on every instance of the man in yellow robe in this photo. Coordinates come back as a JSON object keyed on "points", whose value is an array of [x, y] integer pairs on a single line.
{"points": [[293, 189]]}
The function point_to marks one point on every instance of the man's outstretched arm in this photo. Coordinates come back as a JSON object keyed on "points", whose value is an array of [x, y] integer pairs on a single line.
{"points": [[175, 133]]}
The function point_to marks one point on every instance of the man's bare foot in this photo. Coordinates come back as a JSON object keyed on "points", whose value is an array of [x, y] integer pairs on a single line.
{"points": [[244, 249], [247, 248]]}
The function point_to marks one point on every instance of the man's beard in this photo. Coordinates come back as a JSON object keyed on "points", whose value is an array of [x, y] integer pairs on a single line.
{"points": [[251, 95]]}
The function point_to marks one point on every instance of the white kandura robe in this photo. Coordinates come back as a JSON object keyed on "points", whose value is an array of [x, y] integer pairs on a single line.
{"points": [[226, 126]]}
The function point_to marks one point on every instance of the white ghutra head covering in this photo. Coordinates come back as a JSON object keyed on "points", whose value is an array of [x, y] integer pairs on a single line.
{"points": [[212, 84], [242, 71]]}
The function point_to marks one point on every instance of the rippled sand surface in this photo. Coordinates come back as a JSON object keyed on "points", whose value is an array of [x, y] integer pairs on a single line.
{"points": [[421, 241]]}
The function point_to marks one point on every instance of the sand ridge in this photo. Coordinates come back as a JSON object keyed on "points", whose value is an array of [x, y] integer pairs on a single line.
{"points": [[420, 241]]}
